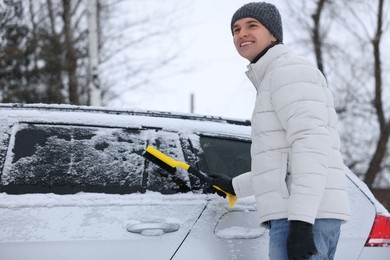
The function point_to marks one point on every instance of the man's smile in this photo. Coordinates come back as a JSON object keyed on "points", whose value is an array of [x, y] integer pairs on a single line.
{"points": [[246, 43]]}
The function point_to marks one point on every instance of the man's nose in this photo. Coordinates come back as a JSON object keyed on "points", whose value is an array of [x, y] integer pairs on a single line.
{"points": [[243, 33]]}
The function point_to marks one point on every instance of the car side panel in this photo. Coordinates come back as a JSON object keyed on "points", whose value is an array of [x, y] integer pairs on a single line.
{"points": [[355, 232], [370, 253], [226, 233]]}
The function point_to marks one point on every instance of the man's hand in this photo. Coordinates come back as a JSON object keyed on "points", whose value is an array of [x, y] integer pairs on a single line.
{"points": [[300, 241], [223, 182]]}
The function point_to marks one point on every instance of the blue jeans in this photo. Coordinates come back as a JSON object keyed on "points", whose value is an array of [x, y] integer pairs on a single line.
{"points": [[326, 235]]}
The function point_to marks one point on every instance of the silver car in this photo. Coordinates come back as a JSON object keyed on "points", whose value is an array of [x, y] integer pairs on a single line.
{"points": [[75, 185]]}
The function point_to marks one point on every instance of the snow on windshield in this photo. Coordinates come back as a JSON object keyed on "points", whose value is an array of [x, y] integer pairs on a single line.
{"points": [[76, 158]]}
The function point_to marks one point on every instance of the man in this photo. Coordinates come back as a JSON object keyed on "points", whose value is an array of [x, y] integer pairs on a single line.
{"points": [[297, 170]]}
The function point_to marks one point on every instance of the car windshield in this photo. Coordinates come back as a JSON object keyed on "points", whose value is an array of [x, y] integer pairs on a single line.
{"points": [[65, 159]]}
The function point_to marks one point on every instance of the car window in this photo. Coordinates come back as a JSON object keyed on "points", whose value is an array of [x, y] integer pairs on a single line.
{"points": [[226, 156], [4, 140], [67, 159], [158, 179]]}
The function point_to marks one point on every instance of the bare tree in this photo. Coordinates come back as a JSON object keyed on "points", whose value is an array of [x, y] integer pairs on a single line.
{"points": [[343, 39], [138, 41], [16, 53], [44, 55], [375, 165], [70, 61], [367, 25], [52, 55], [316, 36]]}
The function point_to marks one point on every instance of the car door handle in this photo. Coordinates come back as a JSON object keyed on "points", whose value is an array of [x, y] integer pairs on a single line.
{"points": [[153, 228]]}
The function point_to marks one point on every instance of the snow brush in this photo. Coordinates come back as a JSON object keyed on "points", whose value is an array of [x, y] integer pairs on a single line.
{"points": [[170, 164]]}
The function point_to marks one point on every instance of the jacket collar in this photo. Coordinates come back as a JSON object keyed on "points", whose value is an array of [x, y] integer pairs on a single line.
{"points": [[256, 71], [264, 52]]}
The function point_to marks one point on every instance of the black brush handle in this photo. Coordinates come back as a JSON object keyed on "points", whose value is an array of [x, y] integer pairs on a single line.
{"points": [[200, 174]]}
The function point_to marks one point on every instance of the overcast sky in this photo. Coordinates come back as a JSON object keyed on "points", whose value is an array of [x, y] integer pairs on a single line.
{"points": [[217, 80]]}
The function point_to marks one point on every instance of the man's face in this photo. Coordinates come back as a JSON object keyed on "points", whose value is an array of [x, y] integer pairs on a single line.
{"points": [[251, 37]]}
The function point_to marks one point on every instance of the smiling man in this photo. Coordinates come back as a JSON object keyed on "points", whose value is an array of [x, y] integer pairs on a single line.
{"points": [[256, 27], [251, 38], [297, 172]]}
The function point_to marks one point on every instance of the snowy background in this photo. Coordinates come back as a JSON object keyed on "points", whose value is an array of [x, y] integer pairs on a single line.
{"points": [[208, 67], [213, 70]]}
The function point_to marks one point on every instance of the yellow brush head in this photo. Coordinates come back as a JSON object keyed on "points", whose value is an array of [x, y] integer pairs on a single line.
{"points": [[166, 159]]}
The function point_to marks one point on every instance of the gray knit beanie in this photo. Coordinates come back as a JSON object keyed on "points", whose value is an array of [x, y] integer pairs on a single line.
{"points": [[267, 14]]}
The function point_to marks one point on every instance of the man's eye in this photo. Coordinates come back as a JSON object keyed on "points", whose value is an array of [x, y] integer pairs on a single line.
{"points": [[235, 31]]}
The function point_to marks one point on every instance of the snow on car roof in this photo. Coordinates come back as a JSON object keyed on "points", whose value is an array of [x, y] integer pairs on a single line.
{"points": [[68, 114]]}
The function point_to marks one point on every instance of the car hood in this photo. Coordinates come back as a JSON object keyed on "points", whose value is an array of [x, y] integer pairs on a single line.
{"points": [[95, 226]]}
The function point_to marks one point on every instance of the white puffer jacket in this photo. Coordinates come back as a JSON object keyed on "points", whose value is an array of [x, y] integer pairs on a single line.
{"points": [[297, 169]]}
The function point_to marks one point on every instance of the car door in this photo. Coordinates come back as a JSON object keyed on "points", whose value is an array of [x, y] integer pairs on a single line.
{"points": [[86, 192], [222, 232]]}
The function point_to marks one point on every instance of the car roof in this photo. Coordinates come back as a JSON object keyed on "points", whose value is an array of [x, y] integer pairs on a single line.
{"points": [[88, 115], [104, 110]]}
